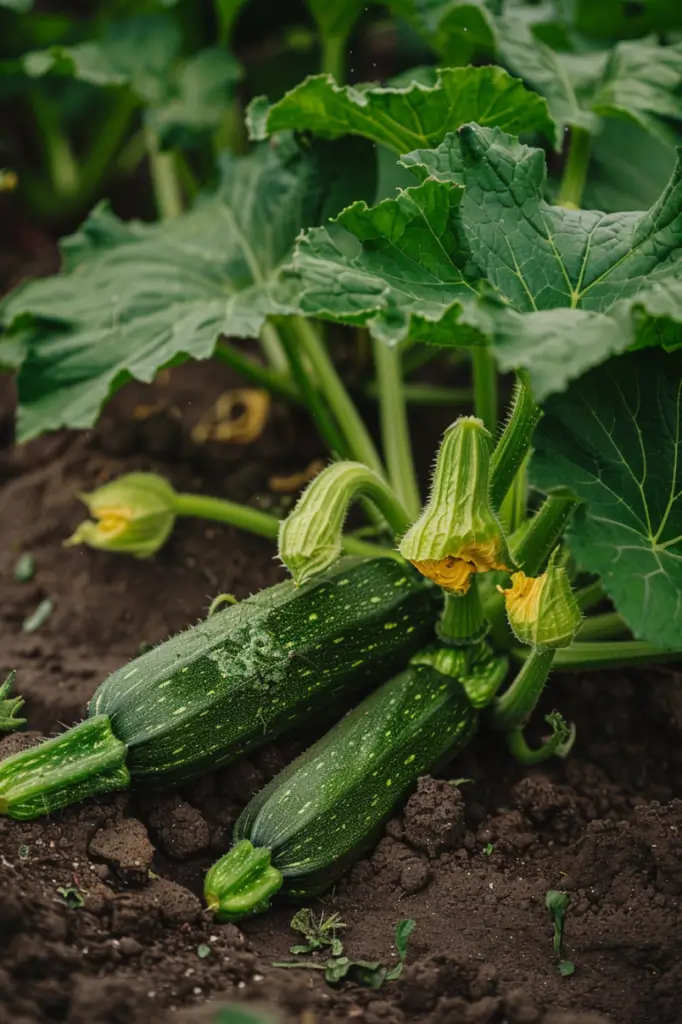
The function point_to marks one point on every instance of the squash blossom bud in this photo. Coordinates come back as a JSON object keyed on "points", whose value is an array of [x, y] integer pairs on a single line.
{"points": [[542, 610], [134, 514], [458, 533]]}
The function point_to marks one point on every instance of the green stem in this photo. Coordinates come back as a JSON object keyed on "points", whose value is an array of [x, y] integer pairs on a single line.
{"points": [[427, 394], [226, 14], [541, 537], [463, 622], [312, 398], [395, 431], [513, 446], [575, 172], [559, 743], [220, 510], [80, 763], [271, 343], [608, 654], [277, 383], [357, 436], [164, 178], [333, 57], [514, 507], [61, 162], [512, 710], [608, 626], [485, 387]]}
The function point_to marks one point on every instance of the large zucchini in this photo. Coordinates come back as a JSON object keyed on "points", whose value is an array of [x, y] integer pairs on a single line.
{"points": [[302, 831], [225, 686]]}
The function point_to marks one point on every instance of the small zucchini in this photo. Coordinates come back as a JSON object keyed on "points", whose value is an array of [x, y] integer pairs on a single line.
{"points": [[226, 686], [303, 830]]}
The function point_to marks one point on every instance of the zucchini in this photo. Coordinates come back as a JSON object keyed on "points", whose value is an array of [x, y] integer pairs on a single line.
{"points": [[226, 686], [304, 829]]}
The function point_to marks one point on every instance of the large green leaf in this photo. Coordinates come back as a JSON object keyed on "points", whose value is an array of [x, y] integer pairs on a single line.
{"points": [[134, 297], [182, 96], [403, 118], [614, 439], [553, 290], [398, 268]]}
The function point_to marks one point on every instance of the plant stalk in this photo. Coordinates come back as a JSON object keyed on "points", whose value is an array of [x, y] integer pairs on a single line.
{"points": [[485, 387], [575, 172], [608, 654], [333, 57], [463, 621], [545, 530], [102, 154], [164, 177], [220, 510], [271, 380], [608, 626], [395, 431], [512, 710], [513, 446], [427, 394]]}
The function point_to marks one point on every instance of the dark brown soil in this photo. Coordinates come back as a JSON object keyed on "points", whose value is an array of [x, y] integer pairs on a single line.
{"points": [[471, 865]]}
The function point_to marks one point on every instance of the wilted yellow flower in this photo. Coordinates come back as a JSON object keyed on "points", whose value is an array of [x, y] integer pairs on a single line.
{"points": [[134, 514], [458, 533]]}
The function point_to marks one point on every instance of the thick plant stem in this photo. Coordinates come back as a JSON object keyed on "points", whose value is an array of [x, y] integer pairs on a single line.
{"points": [[317, 407], [395, 431], [427, 394], [59, 157], [220, 510], [485, 387], [511, 450], [463, 622], [608, 654], [513, 508], [271, 380], [164, 178], [608, 626], [543, 534], [513, 708], [357, 436], [273, 349], [333, 57], [575, 172]]}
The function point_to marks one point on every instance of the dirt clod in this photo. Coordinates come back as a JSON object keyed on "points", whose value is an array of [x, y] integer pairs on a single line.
{"points": [[126, 848], [433, 819]]}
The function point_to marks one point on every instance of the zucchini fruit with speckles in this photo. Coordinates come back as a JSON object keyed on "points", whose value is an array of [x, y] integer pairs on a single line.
{"points": [[224, 687], [304, 829]]}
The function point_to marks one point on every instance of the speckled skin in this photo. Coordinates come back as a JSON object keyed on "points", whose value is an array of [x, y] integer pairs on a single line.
{"points": [[324, 809], [252, 671]]}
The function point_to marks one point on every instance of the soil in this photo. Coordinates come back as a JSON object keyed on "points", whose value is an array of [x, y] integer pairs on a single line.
{"points": [[470, 862]]}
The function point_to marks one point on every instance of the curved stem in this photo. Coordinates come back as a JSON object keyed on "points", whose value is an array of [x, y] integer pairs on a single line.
{"points": [[395, 432], [513, 708], [220, 510], [559, 743], [575, 172], [544, 532]]}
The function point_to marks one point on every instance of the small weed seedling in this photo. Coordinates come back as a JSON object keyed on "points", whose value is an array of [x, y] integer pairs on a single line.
{"points": [[557, 904], [318, 932]]}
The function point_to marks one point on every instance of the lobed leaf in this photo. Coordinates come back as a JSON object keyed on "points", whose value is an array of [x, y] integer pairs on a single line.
{"points": [[135, 297], [614, 439], [405, 117]]}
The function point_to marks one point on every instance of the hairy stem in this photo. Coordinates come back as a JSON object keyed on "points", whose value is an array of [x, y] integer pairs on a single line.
{"points": [[514, 707], [485, 387], [543, 534], [395, 432], [514, 444]]}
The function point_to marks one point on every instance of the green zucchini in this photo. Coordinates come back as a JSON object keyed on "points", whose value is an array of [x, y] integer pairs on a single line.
{"points": [[226, 686], [304, 829]]}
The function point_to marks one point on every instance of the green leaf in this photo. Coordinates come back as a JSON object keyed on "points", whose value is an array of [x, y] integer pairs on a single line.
{"points": [[135, 297], [628, 168], [614, 440], [643, 83], [557, 904], [407, 117], [399, 268], [183, 97], [403, 931]]}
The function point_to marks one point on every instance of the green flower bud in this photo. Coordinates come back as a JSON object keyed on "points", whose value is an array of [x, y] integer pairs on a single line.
{"points": [[134, 514], [310, 538], [458, 533], [542, 610]]}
